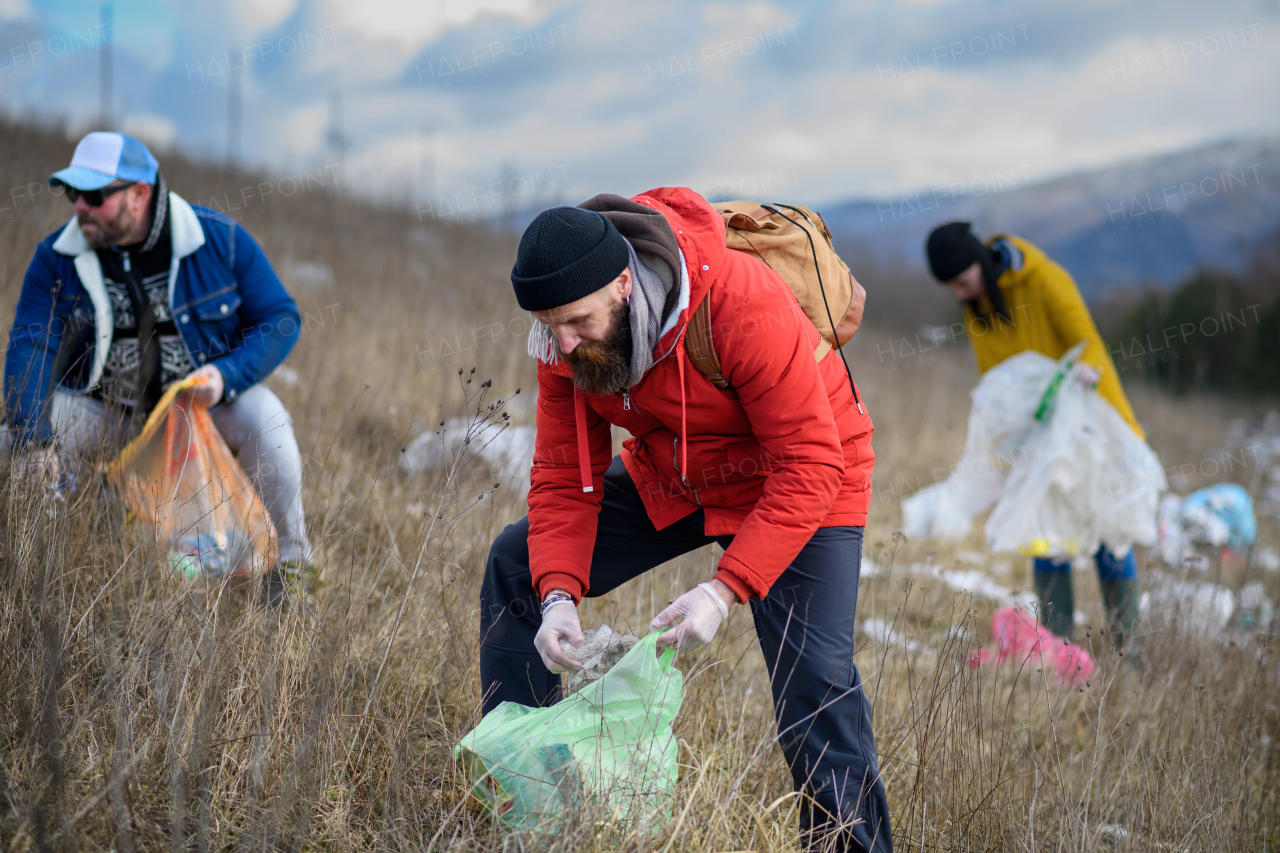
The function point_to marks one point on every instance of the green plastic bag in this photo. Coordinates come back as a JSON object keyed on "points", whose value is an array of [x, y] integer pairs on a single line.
{"points": [[610, 745]]}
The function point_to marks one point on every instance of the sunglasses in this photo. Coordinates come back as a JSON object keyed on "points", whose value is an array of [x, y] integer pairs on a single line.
{"points": [[95, 198]]}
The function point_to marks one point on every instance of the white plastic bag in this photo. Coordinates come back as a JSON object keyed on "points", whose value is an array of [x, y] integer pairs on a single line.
{"points": [[508, 450], [1063, 468], [1003, 413], [1084, 479]]}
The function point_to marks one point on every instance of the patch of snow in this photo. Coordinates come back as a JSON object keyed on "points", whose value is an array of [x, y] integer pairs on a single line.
{"points": [[880, 631]]}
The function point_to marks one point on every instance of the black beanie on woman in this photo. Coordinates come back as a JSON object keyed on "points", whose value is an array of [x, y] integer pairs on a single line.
{"points": [[953, 248], [566, 253]]}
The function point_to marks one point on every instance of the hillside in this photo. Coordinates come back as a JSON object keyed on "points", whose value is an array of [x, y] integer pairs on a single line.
{"points": [[1149, 220]]}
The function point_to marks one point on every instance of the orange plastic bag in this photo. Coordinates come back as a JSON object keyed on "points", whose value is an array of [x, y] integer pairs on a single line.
{"points": [[180, 476]]}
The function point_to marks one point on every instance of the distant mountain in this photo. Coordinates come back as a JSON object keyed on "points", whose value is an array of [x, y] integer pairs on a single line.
{"points": [[1153, 219]]}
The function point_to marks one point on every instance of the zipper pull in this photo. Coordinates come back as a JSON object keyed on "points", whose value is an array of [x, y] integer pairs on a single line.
{"points": [[626, 400], [128, 267]]}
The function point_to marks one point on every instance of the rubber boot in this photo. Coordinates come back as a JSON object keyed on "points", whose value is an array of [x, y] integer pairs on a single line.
{"points": [[1057, 602], [1120, 597]]}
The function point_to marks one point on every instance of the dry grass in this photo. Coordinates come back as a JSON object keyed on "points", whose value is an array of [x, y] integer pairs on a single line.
{"points": [[137, 713]]}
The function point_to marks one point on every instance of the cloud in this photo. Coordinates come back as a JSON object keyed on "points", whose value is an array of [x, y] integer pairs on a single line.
{"points": [[155, 131], [410, 24], [744, 18], [262, 14], [16, 10], [841, 99]]}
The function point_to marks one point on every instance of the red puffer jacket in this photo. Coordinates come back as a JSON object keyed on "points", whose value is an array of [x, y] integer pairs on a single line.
{"points": [[786, 451]]}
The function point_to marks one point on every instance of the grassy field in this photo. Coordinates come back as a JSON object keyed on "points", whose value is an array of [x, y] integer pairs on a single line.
{"points": [[138, 713]]}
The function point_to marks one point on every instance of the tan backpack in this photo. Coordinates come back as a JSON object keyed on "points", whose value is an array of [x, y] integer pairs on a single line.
{"points": [[795, 243]]}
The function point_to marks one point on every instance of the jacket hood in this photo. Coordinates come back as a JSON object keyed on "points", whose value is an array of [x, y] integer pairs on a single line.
{"points": [[700, 232], [646, 230], [1032, 258]]}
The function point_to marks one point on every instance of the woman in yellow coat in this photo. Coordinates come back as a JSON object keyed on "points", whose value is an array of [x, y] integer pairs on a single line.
{"points": [[1016, 299]]}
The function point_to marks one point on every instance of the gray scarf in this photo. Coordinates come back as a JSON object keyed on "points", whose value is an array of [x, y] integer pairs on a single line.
{"points": [[648, 299]]}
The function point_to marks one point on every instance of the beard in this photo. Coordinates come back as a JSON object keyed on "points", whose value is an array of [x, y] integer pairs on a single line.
{"points": [[104, 235], [603, 367]]}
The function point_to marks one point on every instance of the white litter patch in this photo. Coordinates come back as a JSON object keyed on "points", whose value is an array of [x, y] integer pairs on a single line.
{"points": [[286, 375], [880, 631], [979, 583], [972, 581], [507, 450], [976, 583], [313, 276], [1207, 609], [1193, 606], [1265, 558], [1113, 830]]}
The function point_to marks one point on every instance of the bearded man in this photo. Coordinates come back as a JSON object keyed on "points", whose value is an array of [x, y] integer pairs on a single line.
{"points": [[141, 289], [776, 469]]}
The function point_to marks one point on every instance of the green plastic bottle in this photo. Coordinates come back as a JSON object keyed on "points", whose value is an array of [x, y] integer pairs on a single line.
{"points": [[184, 566]]}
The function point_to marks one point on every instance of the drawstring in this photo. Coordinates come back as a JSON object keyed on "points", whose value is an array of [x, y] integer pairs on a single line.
{"points": [[684, 428], [584, 457]]}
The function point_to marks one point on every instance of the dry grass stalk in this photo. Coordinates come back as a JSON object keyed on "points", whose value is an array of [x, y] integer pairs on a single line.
{"points": [[138, 713]]}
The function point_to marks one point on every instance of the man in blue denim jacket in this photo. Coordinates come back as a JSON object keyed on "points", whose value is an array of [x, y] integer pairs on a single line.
{"points": [[138, 290]]}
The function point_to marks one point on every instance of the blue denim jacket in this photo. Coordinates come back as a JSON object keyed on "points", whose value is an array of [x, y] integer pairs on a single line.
{"points": [[225, 299]]}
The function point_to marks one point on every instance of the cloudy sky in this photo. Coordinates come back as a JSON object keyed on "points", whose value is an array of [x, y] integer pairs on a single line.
{"points": [[469, 103]]}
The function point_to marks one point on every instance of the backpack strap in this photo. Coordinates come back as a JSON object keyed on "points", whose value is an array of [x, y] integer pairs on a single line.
{"points": [[701, 349]]}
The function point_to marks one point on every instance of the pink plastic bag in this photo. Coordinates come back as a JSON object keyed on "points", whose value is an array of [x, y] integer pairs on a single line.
{"points": [[1020, 639]]}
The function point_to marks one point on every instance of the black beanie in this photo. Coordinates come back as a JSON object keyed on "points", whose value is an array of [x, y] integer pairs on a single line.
{"points": [[565, 254], [952, 249]]}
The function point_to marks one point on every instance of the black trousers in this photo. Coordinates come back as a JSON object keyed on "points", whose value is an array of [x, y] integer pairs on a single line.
{"points": [[806, 630]]}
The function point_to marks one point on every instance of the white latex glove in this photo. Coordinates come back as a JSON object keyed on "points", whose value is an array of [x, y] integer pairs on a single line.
{"points": [[40, 464], [701, 610], [1086, 374], [211, 391], [559, 622]]}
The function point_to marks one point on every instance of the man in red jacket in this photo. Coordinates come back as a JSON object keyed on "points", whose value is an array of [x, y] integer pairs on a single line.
{"points": [[777, 469]]}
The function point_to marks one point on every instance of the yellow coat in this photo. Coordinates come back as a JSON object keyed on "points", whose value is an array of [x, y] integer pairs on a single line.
{"points": [[1049, 316]]}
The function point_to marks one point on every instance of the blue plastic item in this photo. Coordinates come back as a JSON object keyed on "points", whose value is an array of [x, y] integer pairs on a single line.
{"points": [[1230, 503]]}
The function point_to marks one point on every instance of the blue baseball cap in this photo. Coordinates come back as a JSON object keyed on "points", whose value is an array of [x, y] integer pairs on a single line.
{"points": [[102, 157]]}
